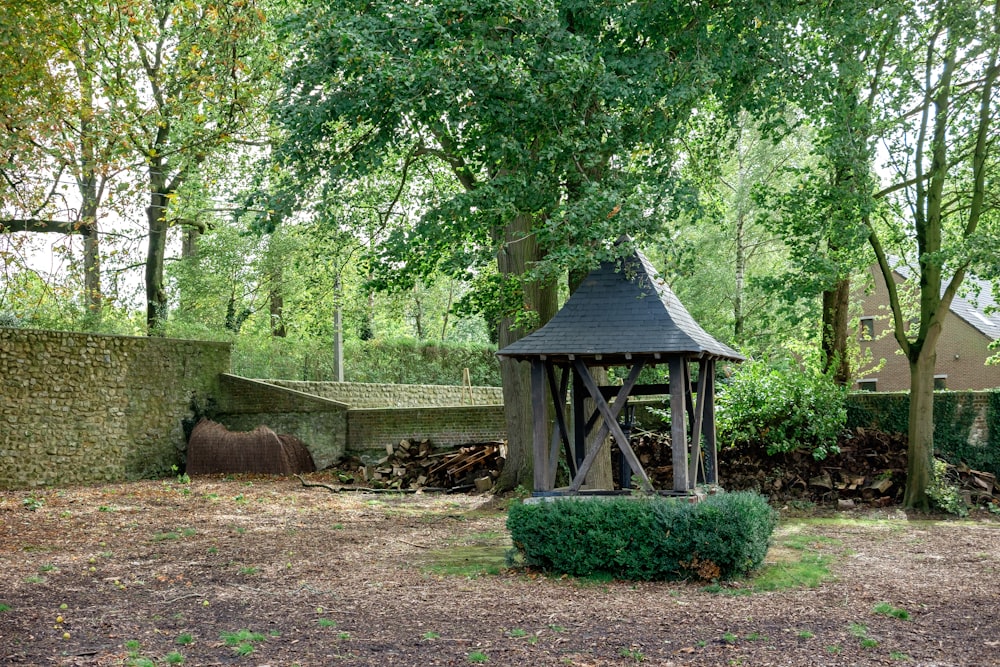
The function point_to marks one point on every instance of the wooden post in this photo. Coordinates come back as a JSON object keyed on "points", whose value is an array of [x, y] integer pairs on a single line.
{"points": [[678, 431], [560, 431], [539, 405], [708, 424]]}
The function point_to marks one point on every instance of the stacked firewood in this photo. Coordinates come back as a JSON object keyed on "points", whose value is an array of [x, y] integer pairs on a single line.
{"points": [[870, 469], [413, 464]]}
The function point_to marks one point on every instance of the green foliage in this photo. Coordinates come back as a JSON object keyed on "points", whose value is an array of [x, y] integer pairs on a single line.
{"points": [[887, 609], [391, 361], [781, 408], [944, 493], [9, 320], [654, 538], [954, 417]]}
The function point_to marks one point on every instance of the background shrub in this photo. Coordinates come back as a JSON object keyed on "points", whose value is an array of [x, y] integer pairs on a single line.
{"points": [[402, 361], [781, 408], [654, 538]]}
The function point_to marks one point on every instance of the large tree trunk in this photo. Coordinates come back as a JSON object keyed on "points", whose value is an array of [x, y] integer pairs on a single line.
{"points": [[516, 256], [836, 302], [920, 455]]}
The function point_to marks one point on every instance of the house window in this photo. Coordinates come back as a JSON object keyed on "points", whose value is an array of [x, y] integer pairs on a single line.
{"points": [[940, 382], [867, 327], [867, 385]]}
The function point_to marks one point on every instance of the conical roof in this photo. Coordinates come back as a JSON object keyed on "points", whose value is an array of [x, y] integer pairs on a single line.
{"points": [[622, 310]]}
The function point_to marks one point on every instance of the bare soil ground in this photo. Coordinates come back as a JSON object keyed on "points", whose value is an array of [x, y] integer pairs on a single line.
{"points": [[161, 572]]}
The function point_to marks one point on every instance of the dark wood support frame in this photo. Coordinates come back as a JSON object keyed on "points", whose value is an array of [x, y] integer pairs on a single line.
{"points": [[692, 409]]}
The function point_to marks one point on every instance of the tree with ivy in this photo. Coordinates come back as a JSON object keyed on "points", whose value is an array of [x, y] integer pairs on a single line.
{"points": [[554, 119]]}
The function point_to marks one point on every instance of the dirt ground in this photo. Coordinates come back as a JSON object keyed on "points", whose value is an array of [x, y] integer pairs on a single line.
{"points": [[265, 572]]}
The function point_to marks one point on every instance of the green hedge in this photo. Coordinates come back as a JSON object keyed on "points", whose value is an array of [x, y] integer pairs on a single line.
{"points": [[722, 537], [400, 361], [954, 414]]}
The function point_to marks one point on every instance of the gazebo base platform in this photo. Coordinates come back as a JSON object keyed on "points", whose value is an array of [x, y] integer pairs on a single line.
{"points": [[694, 495]]}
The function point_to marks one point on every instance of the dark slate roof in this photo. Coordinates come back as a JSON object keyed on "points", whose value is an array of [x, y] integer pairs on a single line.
{"points": [[974, 303], [621, 308]]}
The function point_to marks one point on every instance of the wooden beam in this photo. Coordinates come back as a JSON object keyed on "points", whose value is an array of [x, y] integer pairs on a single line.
{"points": [[539, 403], [610, 423], [696, 426], [678, 432], [560, 431]]}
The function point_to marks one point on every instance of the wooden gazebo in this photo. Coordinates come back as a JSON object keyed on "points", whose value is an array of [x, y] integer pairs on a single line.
{"points": [[622, 314]]}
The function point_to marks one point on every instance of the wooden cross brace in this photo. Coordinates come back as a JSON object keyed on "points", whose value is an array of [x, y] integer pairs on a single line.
{"points": [[610, 424]]}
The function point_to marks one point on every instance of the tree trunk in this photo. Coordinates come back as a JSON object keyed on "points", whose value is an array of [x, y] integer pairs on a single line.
{"points": [[515, 257], [920, 455], [836, 302], [156, 296], [276, 301]]}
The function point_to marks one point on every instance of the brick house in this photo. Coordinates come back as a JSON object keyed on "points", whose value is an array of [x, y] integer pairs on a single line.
{"points": [[962, 350]]}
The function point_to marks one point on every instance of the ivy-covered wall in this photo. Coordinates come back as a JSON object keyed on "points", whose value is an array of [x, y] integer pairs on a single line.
{"points": [[966, 424]]}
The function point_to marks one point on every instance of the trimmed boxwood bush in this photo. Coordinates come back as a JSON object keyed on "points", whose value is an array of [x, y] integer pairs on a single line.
{"points": [[654, 538]]}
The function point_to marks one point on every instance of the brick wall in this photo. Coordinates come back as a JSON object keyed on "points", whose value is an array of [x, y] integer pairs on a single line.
{"points": [[365, 395], [370, 429], [86, 408]]}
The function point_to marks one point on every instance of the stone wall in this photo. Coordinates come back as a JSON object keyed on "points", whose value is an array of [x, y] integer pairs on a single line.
{"points": [[318, 422], [87, 408], [365, 395], [331, 428]]}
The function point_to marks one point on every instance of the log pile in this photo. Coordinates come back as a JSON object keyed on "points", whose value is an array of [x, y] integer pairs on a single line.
{"points": [[413, 464], [870, 470]]}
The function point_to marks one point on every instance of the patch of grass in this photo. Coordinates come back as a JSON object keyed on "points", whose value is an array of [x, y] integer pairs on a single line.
{"points": [[756, 637], [35, 579], [4, 607], [805, 634], [860, 630], [326, 622], [163, 537], [242, 641], [809, 571], [248, 570], [344, 636], [174, 658], [478, 657], [887, 609], [633, 654], [729, 638], [556, 628], [896, 655], [184, 639], [517, 633], [467, 561], [48, 567], [732, 591], [430, 634], [833, 649]]}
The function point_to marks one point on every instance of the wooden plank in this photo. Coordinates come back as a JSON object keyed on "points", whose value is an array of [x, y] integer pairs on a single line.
{"points": [[678, 432], [539, 403], [610, 423]]}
